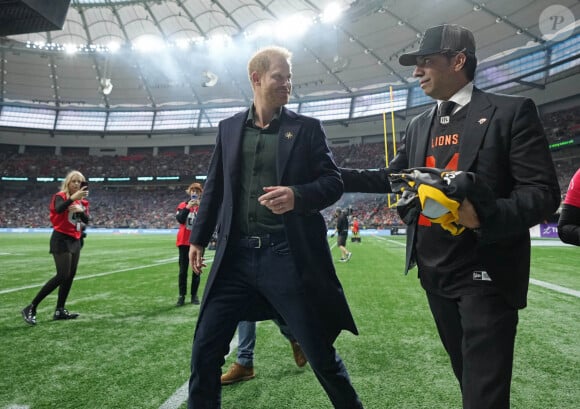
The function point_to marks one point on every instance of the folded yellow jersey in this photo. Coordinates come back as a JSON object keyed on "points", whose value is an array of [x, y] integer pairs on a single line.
{"points": [[434, 193]]}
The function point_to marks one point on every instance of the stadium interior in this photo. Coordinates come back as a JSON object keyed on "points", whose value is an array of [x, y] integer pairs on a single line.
{"points": [[130, 92]]}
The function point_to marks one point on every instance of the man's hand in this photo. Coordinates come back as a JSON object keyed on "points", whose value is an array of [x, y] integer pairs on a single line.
{"points": [[468, 216], [196, 258], [279, 199]]}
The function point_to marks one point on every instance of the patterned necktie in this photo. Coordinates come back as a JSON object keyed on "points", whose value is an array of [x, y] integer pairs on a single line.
{"points": [[445, 110]]}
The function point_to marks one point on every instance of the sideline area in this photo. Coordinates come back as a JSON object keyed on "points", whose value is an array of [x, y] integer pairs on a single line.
{"points": [[543, 231]]}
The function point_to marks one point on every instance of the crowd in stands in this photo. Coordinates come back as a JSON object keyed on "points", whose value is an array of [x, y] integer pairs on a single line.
{"points": [[132, 165], [374, 211], [364, 156], [119, 207], [154, 206], [562, 125]]}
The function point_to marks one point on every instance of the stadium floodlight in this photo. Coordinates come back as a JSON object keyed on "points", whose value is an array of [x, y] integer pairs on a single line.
{"points": [[209, 79], [331, 13], [148, 43], [261, 30], [70, 48], [106, 86], [113, 46], [294, 26], [219, 42], [182, 43]]}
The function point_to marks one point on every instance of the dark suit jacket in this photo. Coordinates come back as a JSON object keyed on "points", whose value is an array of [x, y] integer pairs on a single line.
{"points": [[305, 163], [504, 144]]}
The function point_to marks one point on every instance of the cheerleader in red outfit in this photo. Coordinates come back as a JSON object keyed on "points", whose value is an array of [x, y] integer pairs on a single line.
{"points": [[69, 210], [185, 215]]}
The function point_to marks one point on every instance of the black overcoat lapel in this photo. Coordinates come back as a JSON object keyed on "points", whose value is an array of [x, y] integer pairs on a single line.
{"points": [[287, 138], [422, 134], [232, 148], [478, 119]]}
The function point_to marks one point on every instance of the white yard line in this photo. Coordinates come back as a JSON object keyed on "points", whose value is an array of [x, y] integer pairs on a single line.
{"points": [[181, 394], [106, 273], [178, 398], [550, 286], [555, 287]]}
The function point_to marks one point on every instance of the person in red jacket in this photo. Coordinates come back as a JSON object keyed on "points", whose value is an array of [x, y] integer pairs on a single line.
{"points": [[355, 228], [69, 213], [185, 215], [569, 222]]}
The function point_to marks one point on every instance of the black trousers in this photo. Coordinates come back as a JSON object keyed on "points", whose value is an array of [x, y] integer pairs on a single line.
{"points": [[245, 275], [478, 332], [182, 278]]}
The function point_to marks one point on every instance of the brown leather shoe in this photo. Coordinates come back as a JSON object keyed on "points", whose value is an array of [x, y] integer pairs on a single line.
{"points": [[237, 373], [299, 356]]}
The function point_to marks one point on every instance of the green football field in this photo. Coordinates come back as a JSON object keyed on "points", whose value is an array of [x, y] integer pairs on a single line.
{"points": [[130, 347]]}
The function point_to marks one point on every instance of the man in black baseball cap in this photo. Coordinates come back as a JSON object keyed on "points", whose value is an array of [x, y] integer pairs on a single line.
{"points": [[475, 271], [442, 39]]}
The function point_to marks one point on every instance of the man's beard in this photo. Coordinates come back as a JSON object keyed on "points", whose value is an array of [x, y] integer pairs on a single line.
{"points": [[278, 99]]}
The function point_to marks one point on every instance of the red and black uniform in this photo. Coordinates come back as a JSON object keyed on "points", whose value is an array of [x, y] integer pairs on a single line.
{"points": [[185, 217], [65, 246], [68, 226]]}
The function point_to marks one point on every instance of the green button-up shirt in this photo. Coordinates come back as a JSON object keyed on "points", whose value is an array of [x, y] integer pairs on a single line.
{"points": [[258, 169]]}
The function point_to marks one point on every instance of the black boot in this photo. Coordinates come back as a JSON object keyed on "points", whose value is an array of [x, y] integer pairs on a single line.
{"points": [[63, 314], [29, 314]]}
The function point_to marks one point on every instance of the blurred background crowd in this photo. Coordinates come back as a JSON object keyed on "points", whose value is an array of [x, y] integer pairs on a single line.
{"points": [[128, 205]]}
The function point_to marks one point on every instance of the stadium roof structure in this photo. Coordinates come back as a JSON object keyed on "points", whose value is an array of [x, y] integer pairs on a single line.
{"points": [[115, 55]]}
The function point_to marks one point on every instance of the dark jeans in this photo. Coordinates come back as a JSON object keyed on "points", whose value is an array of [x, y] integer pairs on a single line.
{"points": [[245, 275], [478, 332], [247, 340]]}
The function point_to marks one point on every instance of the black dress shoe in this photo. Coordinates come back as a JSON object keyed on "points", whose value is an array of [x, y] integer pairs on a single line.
{"points": [[195, 300], [180, 301], [63, 314]]}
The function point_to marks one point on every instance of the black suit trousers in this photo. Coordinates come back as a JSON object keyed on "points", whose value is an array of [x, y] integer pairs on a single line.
{"points": [[246, 277], [478, 332]]}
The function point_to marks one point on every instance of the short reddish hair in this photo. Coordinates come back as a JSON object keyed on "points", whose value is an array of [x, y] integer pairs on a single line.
{"points": [[195, 186]]}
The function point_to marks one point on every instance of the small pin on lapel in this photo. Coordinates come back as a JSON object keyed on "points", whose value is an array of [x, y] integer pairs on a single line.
{"points": [[482, 121], [289, 135]]}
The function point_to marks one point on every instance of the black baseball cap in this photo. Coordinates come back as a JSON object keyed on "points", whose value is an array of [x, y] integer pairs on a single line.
{"points": [[447, 37]]}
